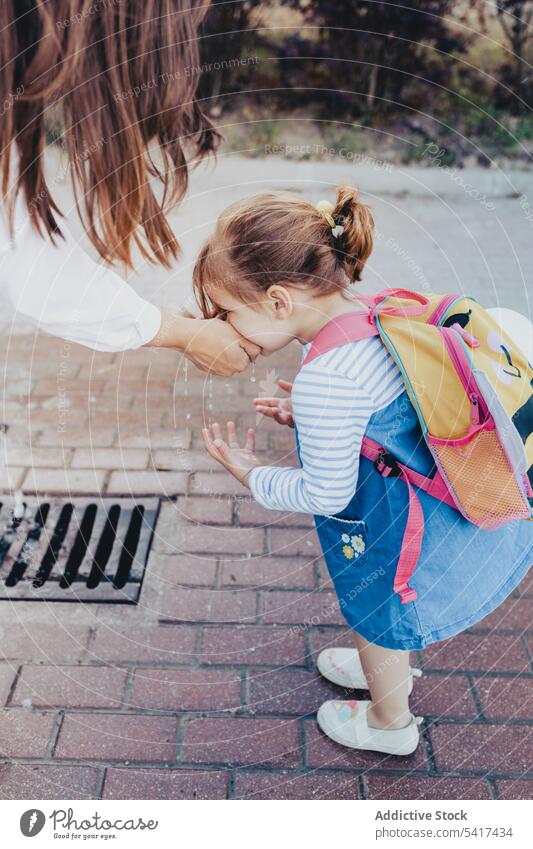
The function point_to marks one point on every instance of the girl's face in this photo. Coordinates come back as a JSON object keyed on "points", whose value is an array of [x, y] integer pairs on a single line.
{"points": [[264, 322]]}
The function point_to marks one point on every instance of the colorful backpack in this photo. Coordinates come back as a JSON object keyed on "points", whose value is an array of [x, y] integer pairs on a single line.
{"points": [[472, 389]]}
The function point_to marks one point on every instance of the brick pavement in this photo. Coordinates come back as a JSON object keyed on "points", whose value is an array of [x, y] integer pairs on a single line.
{"points": [[207, 688]]}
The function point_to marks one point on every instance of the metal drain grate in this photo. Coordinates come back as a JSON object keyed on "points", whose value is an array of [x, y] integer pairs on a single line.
{"points": [[78, 549]]}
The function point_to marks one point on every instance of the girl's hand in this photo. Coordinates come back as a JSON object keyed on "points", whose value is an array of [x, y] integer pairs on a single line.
{"points": [[238, 461], [279, 409]]}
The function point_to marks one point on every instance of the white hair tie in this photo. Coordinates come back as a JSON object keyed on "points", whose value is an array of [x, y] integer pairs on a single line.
{"points": [[326, 208]]}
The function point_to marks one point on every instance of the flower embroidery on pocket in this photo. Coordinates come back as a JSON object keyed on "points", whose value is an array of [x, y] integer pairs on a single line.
{"points": [[358, 543], [356, 548]]}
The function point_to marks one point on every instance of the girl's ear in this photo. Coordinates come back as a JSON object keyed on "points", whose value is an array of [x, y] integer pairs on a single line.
{"points": [[281, 301]]}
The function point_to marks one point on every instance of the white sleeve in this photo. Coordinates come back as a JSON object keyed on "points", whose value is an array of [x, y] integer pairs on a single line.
{"points": [[331, 412], [66, 293]]}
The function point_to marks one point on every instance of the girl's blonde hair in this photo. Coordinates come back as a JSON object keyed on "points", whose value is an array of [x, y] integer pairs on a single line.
{"points": [[279, 238]]}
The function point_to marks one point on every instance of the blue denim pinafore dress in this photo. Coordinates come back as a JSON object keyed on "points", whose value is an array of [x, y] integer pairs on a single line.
{"points": [[463, 572]]}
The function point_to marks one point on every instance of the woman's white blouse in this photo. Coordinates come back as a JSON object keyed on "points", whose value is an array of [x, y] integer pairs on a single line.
{"points": [[66, 293]]}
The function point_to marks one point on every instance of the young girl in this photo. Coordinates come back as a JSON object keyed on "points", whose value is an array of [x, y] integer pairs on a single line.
{"points": [[278, 269]]}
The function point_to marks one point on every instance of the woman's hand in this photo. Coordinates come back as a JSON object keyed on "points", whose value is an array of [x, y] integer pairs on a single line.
{"points": [[279, 409], [212, 344], [238, 461]]}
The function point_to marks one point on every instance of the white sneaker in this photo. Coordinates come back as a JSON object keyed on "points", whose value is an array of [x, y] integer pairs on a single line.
{"points": [[343, 667], [346, 723]]}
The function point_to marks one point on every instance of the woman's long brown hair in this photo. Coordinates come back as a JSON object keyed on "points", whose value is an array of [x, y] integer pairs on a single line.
{"points": [[124, 74]]}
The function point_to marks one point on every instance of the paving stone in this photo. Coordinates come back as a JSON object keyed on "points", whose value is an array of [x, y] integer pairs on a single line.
{"points": [[324, 579], [174, 570], [71, 438], [70, 481], [487, 748], [43, 642], [514, 788], [289, 785], [203, 538], [442, 696], [117, 737], [147, 483], [473, 652], [169, 644], [183, 459], [185, 689], [7, 676], [269, 572], [56, 457], [424, 787], [11, 478], [290, 542], [207, 605], [216, 483], [49, 386], [205, 511], [307, 608], [505, 698], [253, 645], [139, 417], [152, 439], [239, 740], [252, 513], [514, 613], [110, 458], [39, 781], [70, 686], [526, 585], [24, 734], [165, 784]]}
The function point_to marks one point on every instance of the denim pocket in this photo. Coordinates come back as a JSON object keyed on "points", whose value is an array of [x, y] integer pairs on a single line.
{"points": [[344, 541]]}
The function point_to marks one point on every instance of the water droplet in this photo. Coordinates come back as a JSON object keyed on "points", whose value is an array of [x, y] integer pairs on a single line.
{"points": [[252, 375]]}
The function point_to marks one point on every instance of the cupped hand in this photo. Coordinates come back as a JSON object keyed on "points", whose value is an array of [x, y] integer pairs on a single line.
{"points": [[211, 343], [279, 409], [238, 461], [215, 347]]}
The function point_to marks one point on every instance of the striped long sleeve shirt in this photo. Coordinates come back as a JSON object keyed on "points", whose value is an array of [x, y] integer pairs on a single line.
{"points": [[333, 397]]}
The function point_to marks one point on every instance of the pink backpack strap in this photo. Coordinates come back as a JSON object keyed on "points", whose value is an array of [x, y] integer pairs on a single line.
{"points": [[361, 324], [345, 328], [387, 465], [414, 528]]}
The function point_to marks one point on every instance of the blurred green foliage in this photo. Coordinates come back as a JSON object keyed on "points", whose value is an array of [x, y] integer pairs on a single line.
{"points": [[422, 69]]}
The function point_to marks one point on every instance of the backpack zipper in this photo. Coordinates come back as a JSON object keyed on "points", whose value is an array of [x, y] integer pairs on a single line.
{"points": [[479, 408]]}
